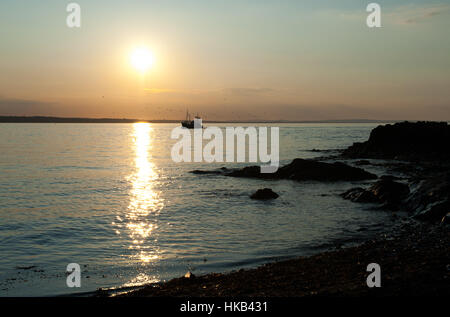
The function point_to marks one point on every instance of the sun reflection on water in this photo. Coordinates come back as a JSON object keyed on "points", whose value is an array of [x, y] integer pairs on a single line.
{"points": [[145, 201]]}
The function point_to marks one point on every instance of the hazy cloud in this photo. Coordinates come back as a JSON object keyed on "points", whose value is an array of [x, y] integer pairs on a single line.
{"points": [[415, 14], [237, 91], [246, 92], [178, 92], [15, 107], [405, 14]]}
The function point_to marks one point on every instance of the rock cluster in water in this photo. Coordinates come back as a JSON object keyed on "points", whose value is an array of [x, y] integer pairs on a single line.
{"points": [[301, 170], [426, 143], [427, 194], [385, 191]]}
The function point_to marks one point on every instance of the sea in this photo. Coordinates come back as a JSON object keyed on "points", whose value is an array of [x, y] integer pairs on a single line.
{"points": [[110, 198]]}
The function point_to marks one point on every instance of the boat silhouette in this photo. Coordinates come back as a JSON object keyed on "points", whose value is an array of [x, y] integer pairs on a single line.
{"points": [[190, 124]]}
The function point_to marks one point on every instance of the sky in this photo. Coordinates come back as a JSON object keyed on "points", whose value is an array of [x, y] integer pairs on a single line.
{"points": [[227, 60]]}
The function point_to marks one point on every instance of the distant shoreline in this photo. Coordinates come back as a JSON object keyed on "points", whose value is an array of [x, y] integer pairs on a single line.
{"points": [[47, 119]]}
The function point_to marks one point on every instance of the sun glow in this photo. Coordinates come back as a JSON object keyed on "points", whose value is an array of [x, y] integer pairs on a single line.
{"points": [[142, 59]]}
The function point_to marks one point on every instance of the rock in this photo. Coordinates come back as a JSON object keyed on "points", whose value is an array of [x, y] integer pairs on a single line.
{"points": [[25, 267], [300, 170], [362, 162], [220, 171], [406, 141], [384, 191], [360, 195], [430, 200], [388, 191], [264, 194], [249, 171]]}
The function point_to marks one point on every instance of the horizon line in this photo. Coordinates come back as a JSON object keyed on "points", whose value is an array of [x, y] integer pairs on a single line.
{"points": [[57, 119]]}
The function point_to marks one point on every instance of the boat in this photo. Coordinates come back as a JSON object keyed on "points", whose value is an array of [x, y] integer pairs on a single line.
{"points": [[190, 124]]}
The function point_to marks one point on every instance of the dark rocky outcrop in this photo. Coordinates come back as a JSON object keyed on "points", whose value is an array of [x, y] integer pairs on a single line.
{"points": [[385, 191], [300, 170], [431, 198], [264, 194], [405, 141]]}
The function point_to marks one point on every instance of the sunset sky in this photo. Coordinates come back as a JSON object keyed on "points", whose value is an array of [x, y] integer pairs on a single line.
{"points": [[228, 60]]}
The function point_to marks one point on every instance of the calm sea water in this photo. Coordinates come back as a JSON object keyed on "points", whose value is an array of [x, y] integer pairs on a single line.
{"points": [[109, 197]]}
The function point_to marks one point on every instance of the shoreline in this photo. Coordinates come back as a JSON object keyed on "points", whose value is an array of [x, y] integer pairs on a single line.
{"points": [[414, 261]]}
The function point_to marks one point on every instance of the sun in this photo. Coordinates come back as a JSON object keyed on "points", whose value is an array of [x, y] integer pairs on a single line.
{"points": [[142, 59]]}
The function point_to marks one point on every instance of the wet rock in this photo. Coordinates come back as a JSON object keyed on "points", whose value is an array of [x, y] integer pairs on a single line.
{"points": [[300, 170], [25, 267], [430, 200], [406, 141], [359, 195], [249, 171], [384, 191], [264, 194], [388, 191], [220, 171]]}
